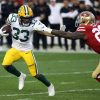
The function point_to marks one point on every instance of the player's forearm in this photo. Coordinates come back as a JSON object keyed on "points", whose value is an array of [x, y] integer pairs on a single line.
{"points": [[45, 33], [69, 35]]}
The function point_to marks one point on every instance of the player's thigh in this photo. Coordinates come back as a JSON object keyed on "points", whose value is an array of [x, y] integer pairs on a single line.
{"points": [[28, 57], [11, 56], [31, 62], [96, 71]]}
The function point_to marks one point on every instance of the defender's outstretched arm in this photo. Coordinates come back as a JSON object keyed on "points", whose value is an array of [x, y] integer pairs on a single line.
{"points": [[45, 33], [69, 35], [42, 29]]}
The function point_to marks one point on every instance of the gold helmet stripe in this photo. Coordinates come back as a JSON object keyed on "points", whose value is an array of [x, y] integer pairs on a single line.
{"points": [[26, 10]]}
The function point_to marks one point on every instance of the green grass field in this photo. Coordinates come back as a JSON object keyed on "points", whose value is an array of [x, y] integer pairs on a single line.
{"points": [[70, 73]]}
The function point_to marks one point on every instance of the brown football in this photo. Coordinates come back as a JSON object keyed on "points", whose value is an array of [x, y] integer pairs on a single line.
{"points": [[6, 28]]}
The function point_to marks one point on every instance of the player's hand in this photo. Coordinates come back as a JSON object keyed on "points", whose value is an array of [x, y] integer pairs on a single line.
{"points": [[62, 28], [3, 33]]}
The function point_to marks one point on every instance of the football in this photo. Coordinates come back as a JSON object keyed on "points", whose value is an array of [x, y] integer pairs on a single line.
{"points": [[6, 29]]}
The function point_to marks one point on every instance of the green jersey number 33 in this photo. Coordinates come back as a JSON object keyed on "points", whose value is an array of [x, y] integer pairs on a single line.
{"points": [[25, 34]]}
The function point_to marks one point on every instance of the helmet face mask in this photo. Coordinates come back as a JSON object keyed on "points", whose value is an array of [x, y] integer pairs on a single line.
{"points": [[25, 21], [25, 15], [85, 18]]}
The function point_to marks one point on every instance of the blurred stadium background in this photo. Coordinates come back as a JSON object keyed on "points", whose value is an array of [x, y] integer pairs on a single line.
{"points": [[67, 63], [54, 19]]}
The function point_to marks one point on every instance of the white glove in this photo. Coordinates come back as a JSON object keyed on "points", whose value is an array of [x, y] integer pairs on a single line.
{"points": [[63, 27], [2, 33]]}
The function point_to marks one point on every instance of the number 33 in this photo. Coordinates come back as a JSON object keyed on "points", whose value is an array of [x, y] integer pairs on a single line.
{"points": [[17, 32]]}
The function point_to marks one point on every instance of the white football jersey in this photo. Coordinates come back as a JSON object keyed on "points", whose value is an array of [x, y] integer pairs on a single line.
{"points": [[22, 36]]}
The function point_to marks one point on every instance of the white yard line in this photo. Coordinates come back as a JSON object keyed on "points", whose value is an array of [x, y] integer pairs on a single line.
{"points": [[87, 72], [61, 61], [25, 99], [75, 73], [42, 93], [30, 81], [64, 83]]}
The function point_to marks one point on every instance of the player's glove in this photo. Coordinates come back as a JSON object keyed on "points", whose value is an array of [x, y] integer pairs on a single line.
{"points": [[3, 33]]}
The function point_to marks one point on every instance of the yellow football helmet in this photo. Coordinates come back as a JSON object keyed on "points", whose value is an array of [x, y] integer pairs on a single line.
{"points": [[25, 14], [85, 18]]}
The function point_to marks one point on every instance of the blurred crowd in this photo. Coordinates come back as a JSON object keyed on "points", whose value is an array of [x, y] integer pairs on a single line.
{"points": [[53, 15]]}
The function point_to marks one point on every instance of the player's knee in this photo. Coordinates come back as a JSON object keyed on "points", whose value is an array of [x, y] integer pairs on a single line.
{"points": [[94, 74], [6, 66], [33, 74], [6, 63], [38, 76], [32, 70]]}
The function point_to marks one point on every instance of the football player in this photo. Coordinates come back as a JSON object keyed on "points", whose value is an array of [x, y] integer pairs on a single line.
{"points": [[22, 26], [89, 31]]}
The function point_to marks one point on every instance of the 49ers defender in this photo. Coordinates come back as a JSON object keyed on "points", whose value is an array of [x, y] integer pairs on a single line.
{"points": [[90, 32]]}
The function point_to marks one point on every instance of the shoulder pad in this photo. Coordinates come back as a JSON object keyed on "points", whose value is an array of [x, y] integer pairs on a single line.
{"points": [[12, 18], [81, 28], [34, 21]]}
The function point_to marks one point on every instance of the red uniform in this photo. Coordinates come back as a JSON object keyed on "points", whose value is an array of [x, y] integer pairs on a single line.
{"points": [[92, 33]]}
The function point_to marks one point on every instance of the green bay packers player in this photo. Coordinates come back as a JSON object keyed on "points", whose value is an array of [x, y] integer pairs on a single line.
{"points": [[23, 25]]}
